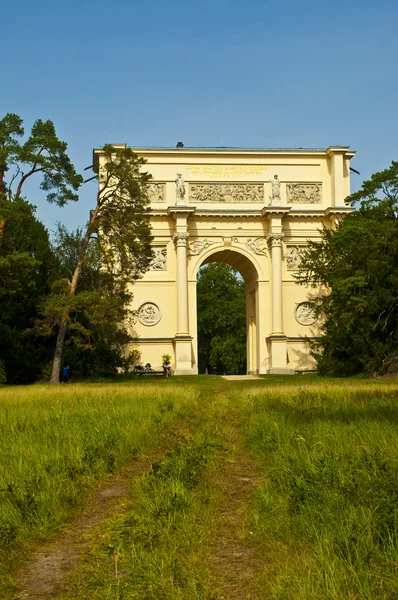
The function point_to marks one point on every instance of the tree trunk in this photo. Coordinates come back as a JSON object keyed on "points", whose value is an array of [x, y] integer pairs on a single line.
{"points": [[59, 346]]}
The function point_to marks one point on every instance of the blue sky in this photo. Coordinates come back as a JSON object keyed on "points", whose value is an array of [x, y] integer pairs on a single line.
{"points": [[208, 73]]}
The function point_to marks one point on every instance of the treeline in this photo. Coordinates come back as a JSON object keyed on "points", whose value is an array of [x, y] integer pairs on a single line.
{"points": [[34, 275], [67, 300], [354, 273]]}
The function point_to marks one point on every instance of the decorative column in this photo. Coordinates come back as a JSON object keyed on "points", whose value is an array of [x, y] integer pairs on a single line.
{"points": [[275, 244], [277, 339], [182, 338], [181, 244]]}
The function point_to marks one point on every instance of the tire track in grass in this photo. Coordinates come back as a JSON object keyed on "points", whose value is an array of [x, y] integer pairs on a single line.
{"points": [[155, 547], [46, 569], [44, 572], [234, 564], [225, 565]]}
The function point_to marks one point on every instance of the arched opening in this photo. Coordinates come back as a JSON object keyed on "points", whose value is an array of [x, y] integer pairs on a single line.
{"points": [[226, 313]]}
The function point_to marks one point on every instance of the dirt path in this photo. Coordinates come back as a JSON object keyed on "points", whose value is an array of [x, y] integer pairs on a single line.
{"points": [[42, 575], [46, 569], [234, 564]]}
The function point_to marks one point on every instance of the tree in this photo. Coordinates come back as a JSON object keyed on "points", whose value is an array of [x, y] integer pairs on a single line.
{"points": [[44, 153], [221, 300], [355, 267], [27, 266], [99, 319], [120, 226]]}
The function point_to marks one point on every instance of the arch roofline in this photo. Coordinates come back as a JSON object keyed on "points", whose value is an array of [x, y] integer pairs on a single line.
{"points": [[226, 151]]}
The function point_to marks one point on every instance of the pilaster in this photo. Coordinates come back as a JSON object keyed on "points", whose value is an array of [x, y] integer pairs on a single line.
{"points": [[182, 339], [277, 341]]}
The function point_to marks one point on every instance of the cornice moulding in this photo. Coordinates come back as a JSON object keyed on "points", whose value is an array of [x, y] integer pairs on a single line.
{"points": [[271, 211], [182, 210], [338, 210]]}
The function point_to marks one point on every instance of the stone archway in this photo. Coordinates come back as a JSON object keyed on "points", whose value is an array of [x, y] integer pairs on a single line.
{"points": [[255, 209], [247, 269]]}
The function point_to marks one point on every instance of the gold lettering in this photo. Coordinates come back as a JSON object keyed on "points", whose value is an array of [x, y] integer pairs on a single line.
{"points": [[225, 171]]}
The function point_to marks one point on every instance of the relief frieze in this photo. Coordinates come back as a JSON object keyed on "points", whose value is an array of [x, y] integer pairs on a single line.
{"points": [[156, 192], [226, 192], [256, 245], [304, 193], [197, 246]]}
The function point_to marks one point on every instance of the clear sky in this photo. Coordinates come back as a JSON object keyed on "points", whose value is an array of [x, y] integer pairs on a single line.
{"points": [[208, 73]]}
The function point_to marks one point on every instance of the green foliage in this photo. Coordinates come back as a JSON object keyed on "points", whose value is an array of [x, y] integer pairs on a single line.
{"points": [[134, 358], [166, 359], [121, 217], [3, 374], [26, 267], [356, 266], [99, 322], [114, 250], [44, 153], [221, 301]]}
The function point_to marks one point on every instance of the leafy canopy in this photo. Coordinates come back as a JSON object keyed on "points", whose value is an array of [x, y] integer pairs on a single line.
{"points": [[27, 265], [356, 266], [43, 153], [114, 250]]}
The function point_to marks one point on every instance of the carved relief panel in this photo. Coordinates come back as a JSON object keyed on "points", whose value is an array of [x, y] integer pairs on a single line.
{"points": [[292, 257], [197, 246], [159, 262], [256, 245], [304, 314], [226, 192], [149, 314], [156, 192], [304, 193]]}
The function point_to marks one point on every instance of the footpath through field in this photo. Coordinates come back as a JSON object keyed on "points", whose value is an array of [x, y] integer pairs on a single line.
{"points": [[274, 488], [127, 537]]}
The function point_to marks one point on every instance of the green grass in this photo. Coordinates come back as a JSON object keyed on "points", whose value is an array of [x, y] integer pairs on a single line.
{"points": [[57, 442], [324, 523], [327, 518]]}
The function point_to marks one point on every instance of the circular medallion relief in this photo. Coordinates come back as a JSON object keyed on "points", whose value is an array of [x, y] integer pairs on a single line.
{"points": [[149, 314], [304, 313]]}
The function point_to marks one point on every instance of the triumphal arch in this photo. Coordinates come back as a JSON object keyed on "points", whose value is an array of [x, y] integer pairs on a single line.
{"points": [[254, 209]]}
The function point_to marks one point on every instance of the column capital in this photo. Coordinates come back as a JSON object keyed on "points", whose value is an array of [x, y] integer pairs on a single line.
{"points": [[274, 240], [181, 240]]}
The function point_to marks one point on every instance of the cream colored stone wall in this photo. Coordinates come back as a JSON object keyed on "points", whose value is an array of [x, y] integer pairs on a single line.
{"points": [[228, 210]]}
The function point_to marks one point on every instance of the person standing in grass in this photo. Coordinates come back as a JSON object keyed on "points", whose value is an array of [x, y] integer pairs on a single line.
{"points": [[65, 374], [167, 368]]}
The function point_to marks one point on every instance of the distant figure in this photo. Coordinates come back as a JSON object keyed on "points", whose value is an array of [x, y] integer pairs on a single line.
{"points": [[215, 370], [65, 374], [167, 369]]}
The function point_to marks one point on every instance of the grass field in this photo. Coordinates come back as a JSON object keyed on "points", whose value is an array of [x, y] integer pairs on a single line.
{"points": [[318, 517]]}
